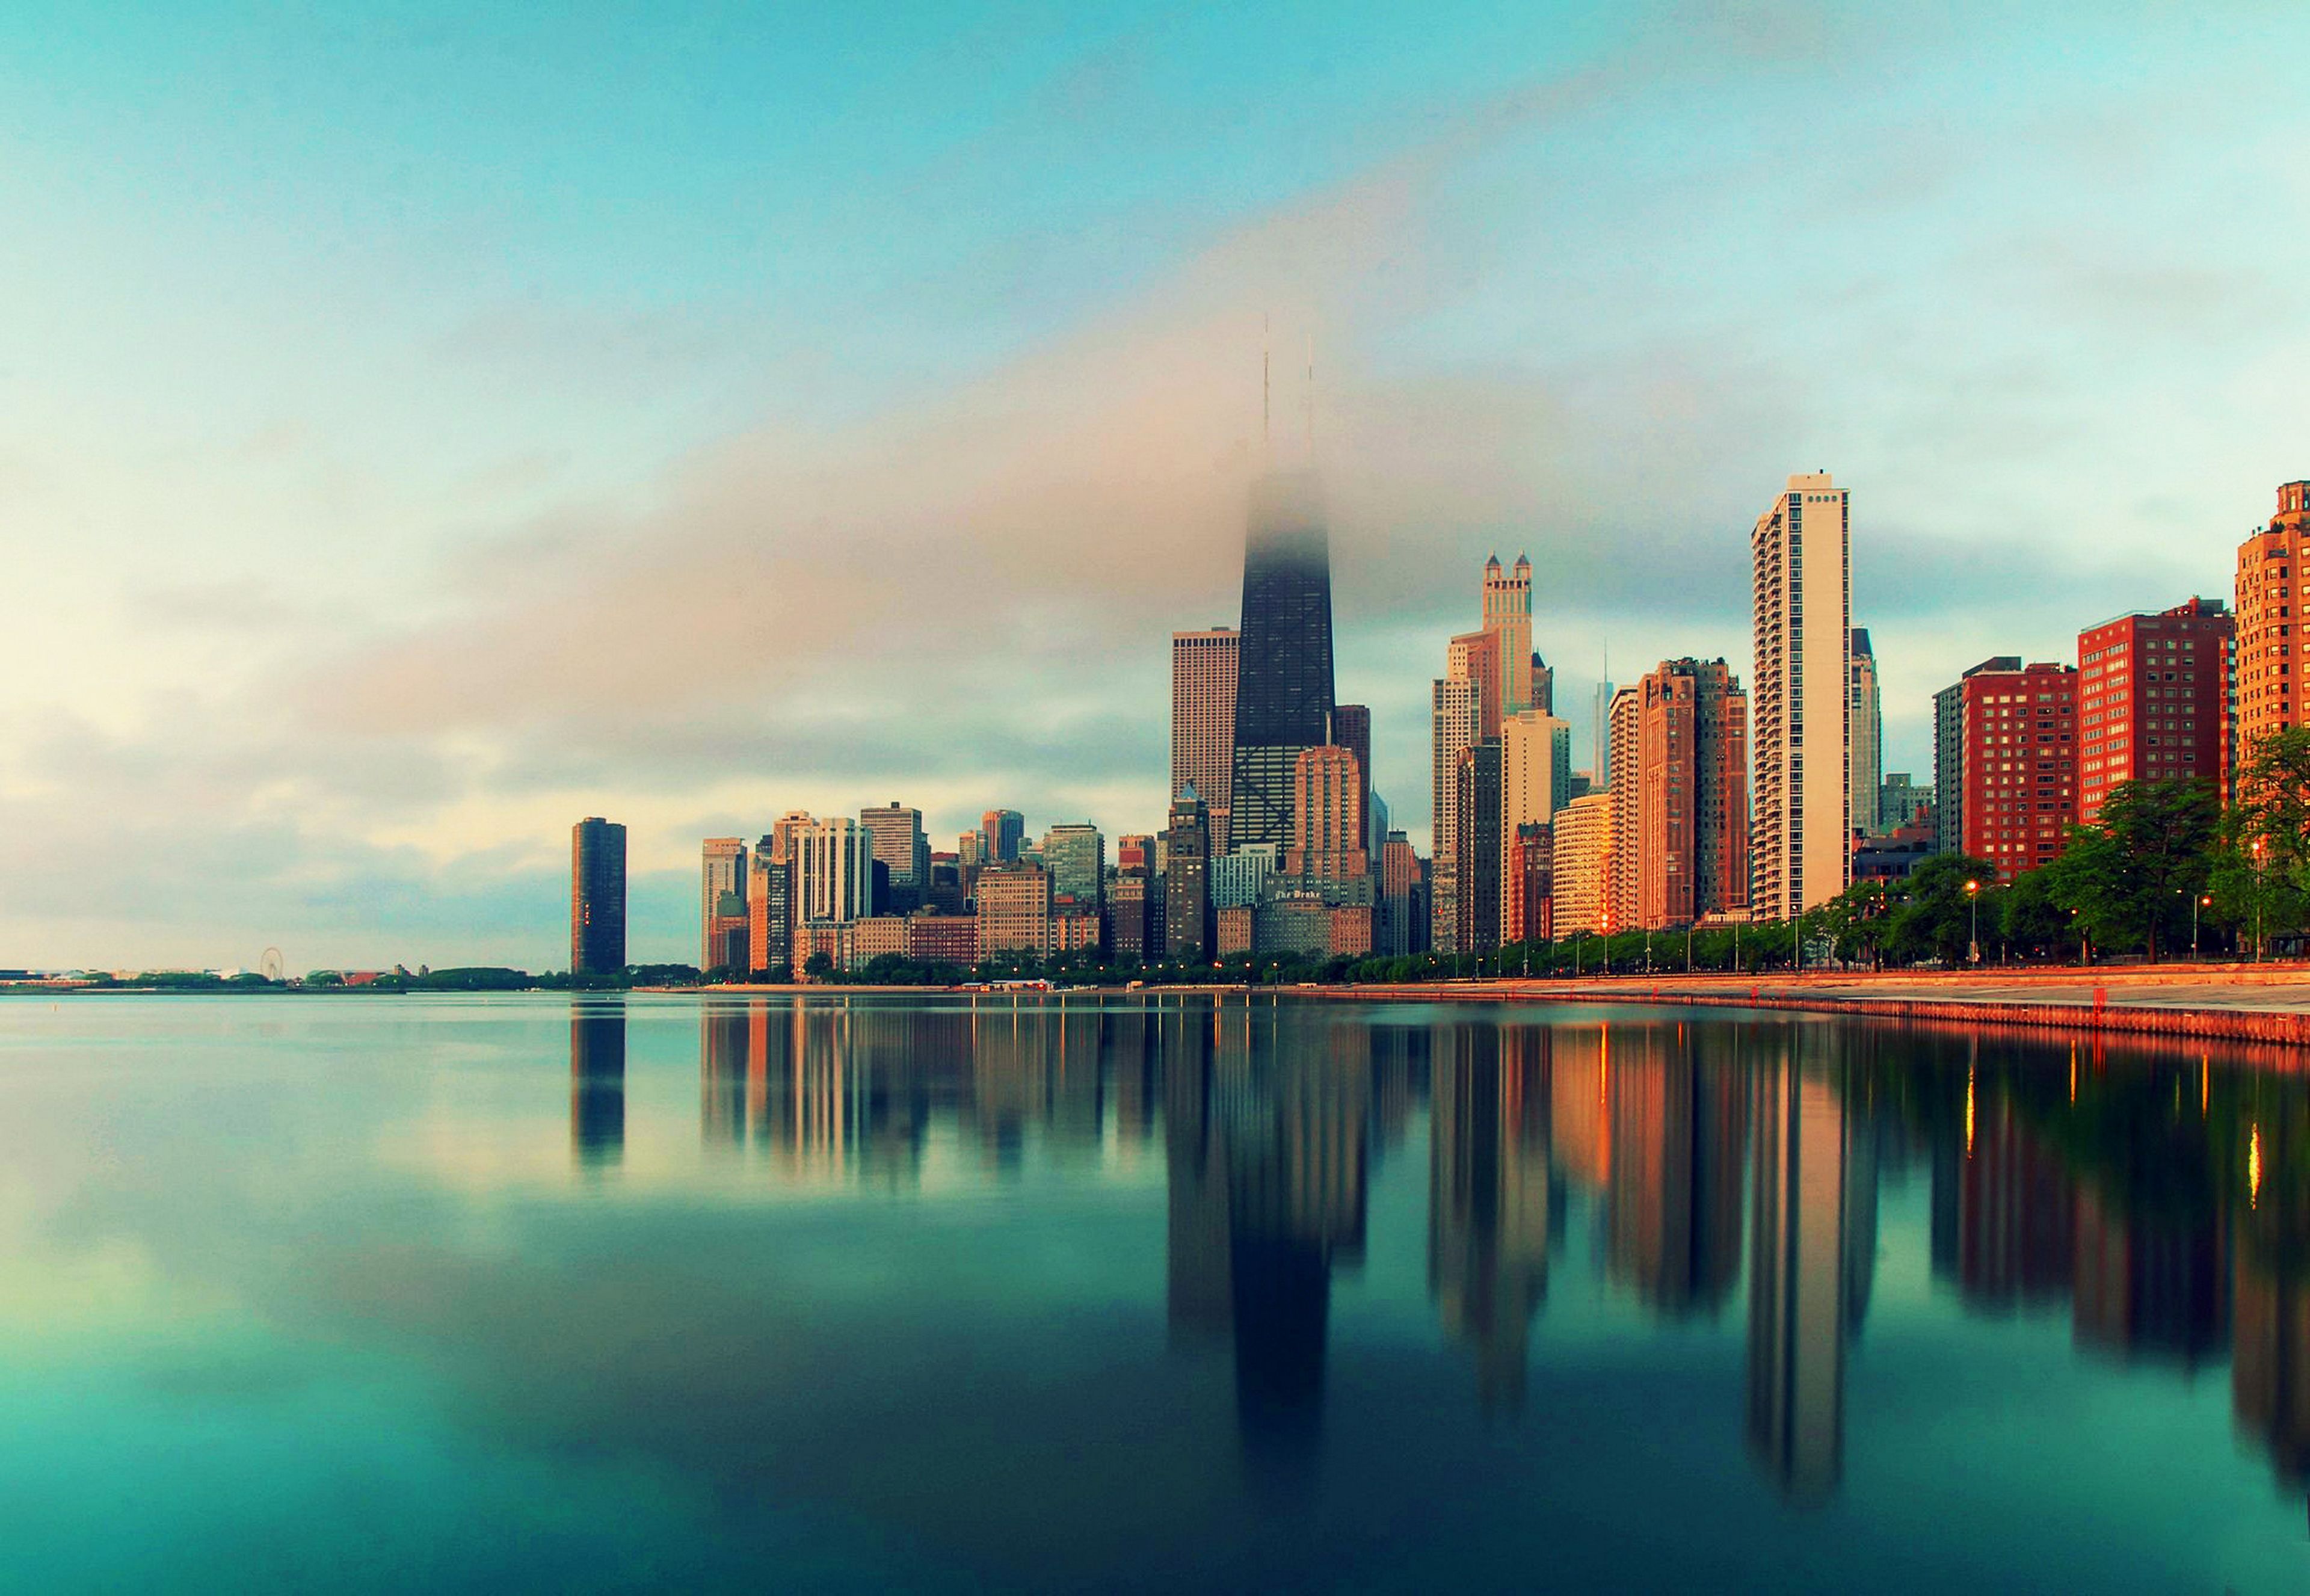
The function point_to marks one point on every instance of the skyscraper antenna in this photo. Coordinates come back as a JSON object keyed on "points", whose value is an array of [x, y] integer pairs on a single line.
{"points": [[1266, 323], [1311, 401]]}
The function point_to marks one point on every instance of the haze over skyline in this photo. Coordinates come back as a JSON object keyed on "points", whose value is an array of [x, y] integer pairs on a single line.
{"points": [[430, 430]]}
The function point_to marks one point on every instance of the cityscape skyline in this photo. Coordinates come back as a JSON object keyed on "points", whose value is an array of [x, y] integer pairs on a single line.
{"points": [[331, 660], [1524, 848]]}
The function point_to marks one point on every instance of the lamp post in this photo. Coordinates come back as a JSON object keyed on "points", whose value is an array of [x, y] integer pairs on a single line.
{"points": [[2197, 902], [1688, 948], [1973, 943], [2257, 899]]}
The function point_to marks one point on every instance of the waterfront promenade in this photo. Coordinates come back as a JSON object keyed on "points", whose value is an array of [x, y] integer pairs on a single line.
{"points": [[2239, 1003]]}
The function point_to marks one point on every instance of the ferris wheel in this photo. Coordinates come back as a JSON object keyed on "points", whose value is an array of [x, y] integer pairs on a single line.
{"points": [[271, 965]]}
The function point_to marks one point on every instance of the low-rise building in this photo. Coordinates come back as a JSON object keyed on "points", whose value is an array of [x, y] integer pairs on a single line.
{"points": [[1014, 910], [1236, 928], [1074, 926], [935, 938], [875, 936]]}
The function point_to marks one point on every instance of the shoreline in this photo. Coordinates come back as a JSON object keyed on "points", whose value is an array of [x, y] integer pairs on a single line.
{"points": [[2264, 1005], [2117, 1001]]}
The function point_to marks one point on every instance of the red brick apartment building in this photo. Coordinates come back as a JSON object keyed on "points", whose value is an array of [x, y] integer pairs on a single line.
{"points": [[2021, 760], [2153, 699]]}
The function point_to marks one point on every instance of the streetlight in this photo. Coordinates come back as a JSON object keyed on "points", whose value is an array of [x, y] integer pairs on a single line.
{"points": [[1688, 946], [2257, 899], [2196, 903], [1973, 945]]}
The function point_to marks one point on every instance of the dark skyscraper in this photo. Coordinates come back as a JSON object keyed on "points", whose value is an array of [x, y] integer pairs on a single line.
{"points": [[1187, 878], [1000, 832], [1283, 673], [597, 1079], [597, 896], [1477, 780], [1351, 730]]}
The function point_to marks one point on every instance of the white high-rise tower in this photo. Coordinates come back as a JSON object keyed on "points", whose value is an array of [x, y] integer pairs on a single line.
{"points": [[1801, 732]]}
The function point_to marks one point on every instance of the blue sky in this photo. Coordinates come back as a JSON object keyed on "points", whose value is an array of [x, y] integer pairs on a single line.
{"points": [[417, 431]]}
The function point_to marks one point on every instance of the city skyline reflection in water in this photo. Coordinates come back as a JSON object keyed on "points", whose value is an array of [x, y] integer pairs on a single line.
{"points": [[1655, 1120], [968, 1291]]}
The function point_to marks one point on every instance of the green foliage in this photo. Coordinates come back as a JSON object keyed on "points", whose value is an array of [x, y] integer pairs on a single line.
{"points": [[2033, 921], [2260, 869], [2130, 877], [1857, 922], [1934, 914]]}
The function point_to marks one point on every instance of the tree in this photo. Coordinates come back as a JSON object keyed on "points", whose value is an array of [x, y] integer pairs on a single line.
{"points": [[819, 966], [2131, 875], [2261, 871], [1857, 922], [1937, 919], [2031, 917]]}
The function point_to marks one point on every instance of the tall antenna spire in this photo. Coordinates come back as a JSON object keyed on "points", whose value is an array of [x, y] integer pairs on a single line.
{"points": [[1311, 401], [1267, 324]]}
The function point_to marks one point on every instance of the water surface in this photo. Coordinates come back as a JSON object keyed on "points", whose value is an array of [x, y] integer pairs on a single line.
{"points": [[369, 1293]]}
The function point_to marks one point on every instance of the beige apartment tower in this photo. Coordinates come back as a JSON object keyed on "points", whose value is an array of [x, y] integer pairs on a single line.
{"points": [[1582, 865], [1328, 817], [1627, 861], [1801, 704], [1203, 721], [721, 901], [1507, 619], [1455, 707], [1529, 740]]}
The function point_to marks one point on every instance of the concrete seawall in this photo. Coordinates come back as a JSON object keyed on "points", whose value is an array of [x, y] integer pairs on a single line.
{"points": [[2276, 1026]]}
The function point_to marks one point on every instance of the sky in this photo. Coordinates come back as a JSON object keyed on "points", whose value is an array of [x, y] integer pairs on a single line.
{"points": [[422, 429]]}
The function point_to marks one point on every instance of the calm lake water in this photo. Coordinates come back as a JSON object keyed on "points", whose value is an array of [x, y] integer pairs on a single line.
{"points": [[492, 1294]]}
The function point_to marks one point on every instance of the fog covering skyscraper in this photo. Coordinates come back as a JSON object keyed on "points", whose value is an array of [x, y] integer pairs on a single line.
{"points": [[1283, 675]]}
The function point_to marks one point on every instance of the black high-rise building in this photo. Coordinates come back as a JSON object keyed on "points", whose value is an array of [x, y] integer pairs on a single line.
{"points": [[1283, 672], [1187, 878], [1351, 730], [598, 898], [1478, 792], [597, 1079]]}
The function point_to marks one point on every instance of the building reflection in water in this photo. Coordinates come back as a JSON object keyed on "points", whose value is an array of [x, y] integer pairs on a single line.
{"points": [[2270, 1307], [597, 1080], [1491, 1209], [2151, 1202], [1267, 1137], [1679, 1126], [1813, 1251]]}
